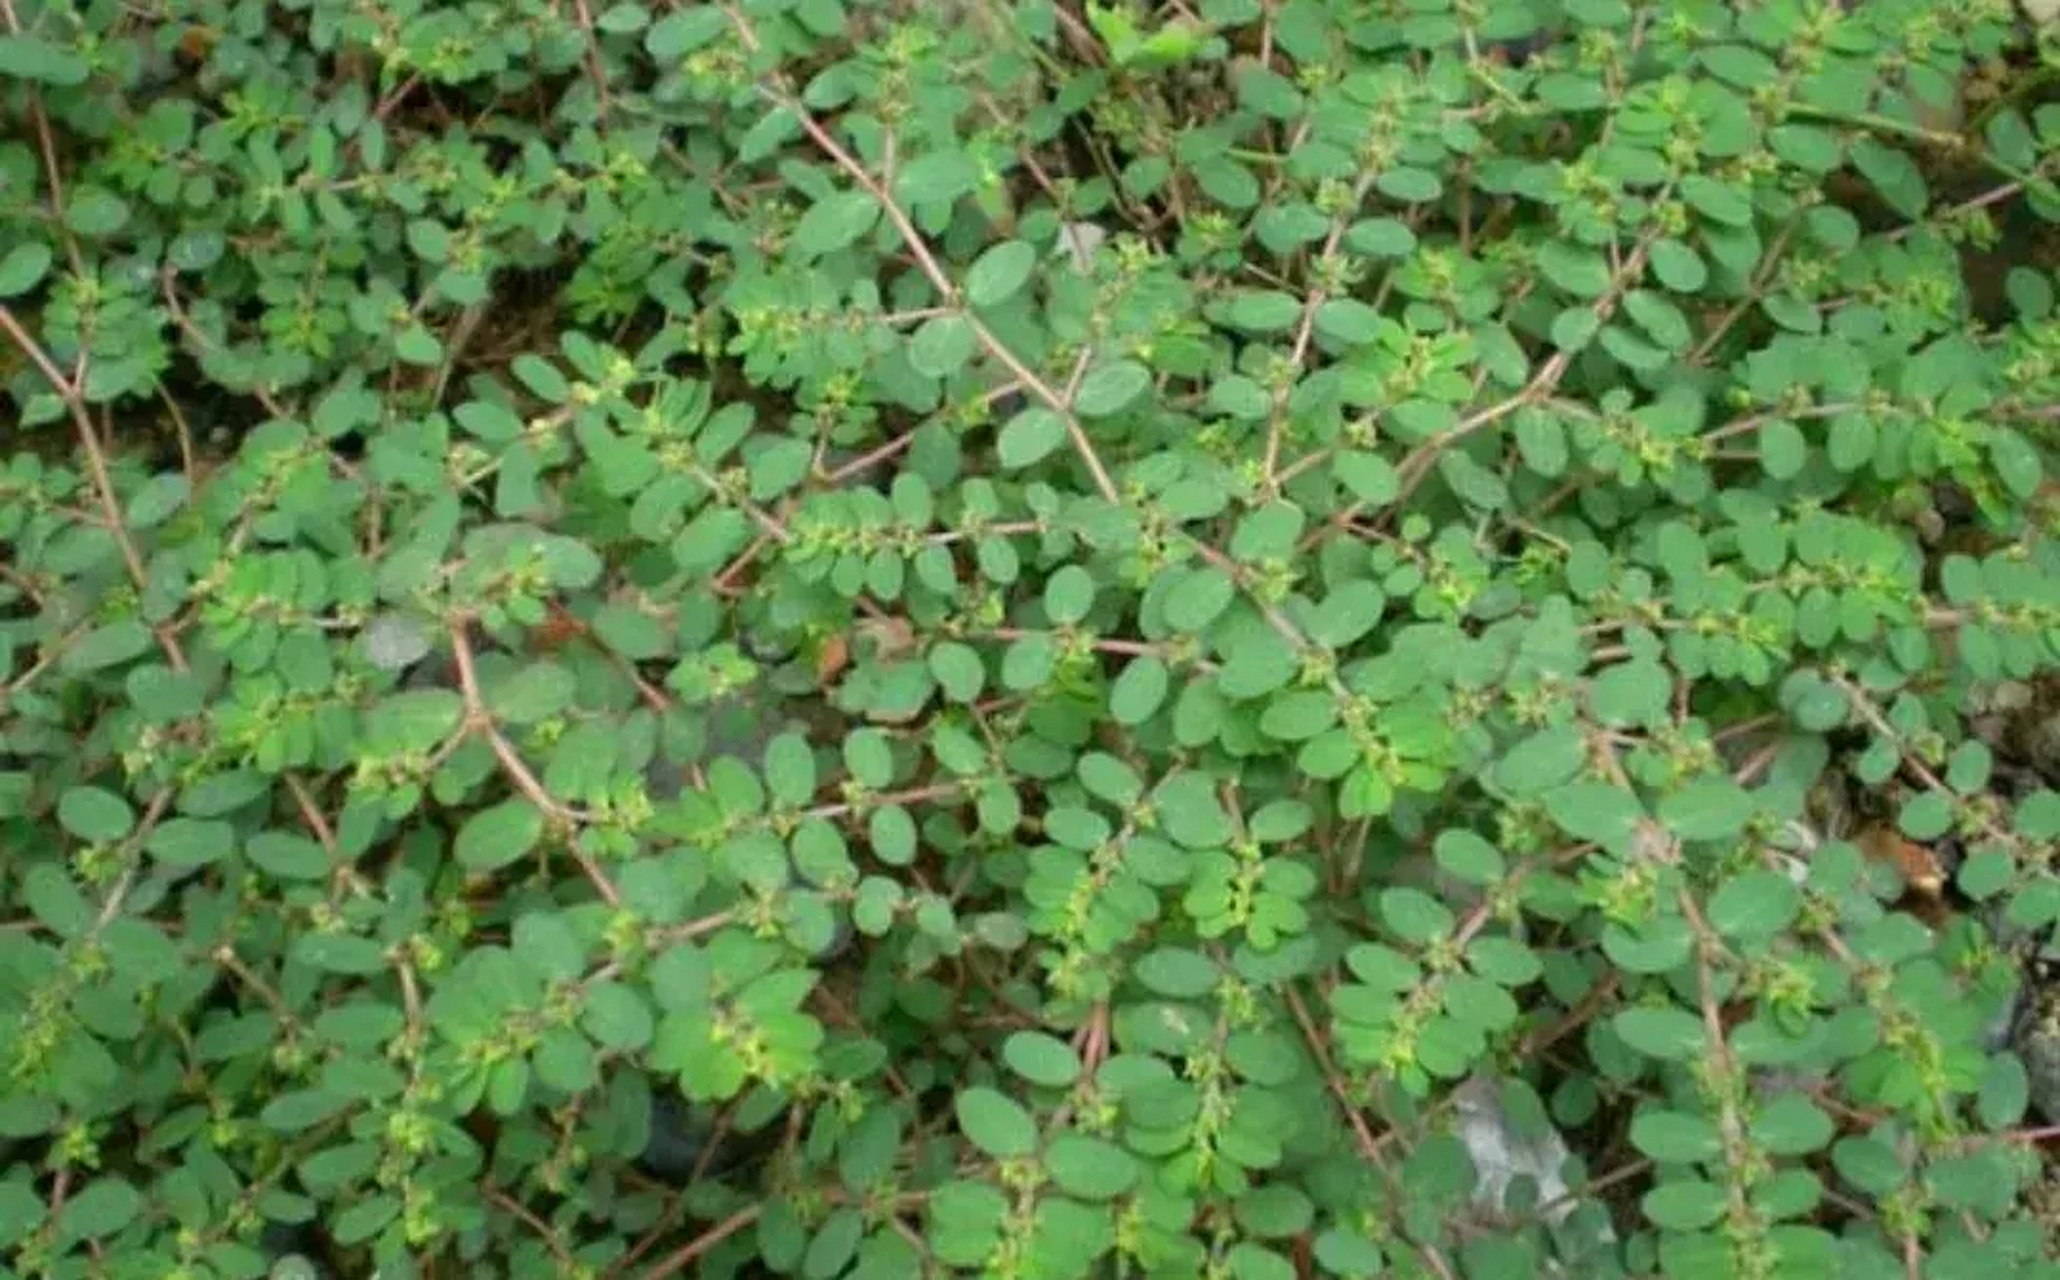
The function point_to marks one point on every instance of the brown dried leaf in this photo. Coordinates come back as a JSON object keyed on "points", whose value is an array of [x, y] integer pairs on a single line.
{"points": [[888, 637], [1917, 865], [831, 657]]}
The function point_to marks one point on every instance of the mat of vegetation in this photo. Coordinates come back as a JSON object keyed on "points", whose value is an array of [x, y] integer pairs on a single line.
{"points": [[1004, 638]]}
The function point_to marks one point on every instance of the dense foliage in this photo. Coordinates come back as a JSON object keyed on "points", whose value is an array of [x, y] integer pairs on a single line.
{"points": [[1013, 639]]}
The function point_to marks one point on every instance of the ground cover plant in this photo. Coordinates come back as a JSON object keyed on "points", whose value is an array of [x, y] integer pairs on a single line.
{"points": [[1009, 638]]}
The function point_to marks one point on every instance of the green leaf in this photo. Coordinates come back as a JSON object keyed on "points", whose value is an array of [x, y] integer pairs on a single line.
{"points": [[2011, 139], [1029, 661], [1225, 181], [190, 842], [1792, 1125], [1597, 811], [1668, 1033], [1926, 816], [1660, 319], [39, 61], [1296, 717], [2005, 1092], [1575, 327], [1852, 441], [1869, 1163], [95, 815], [99, 1210], [1381, 238], [1662, 944], [1068, 595], [541, 377], [499, 835], [106, 646], [1408, 184], [1784, 449], [892, 834], [159, 497], [1580, 271], [631, 632], [1090, 1168], [287, 856], [959, 671], [339, 953], [54, 900], [684, 30], [942, 345], [2016, 462], [1707, 809], [1674, 1137], [1896, 176], [366, 1218], [790, 773], [939, 176], [1177, 973], [1198, 598], [301, 1110], [1370, 477], [1982, 876], [1718, 201], [1345, 1252], [1109, 387], [1469, 857], [1677, 266], [1347, 614], [1504, 961], [999, 273], [1630, 693], [1263, 310], [21, 1212], [1415, 916], [197, 250], [420, 718], [530, 693], [1348, 321], [547, 945], [95, 212], [1029, 437], [1139, 691], [1041, 1059], [416, 345], [832, 1247], [515, 487], [1755, 904], [1383, 968], [1190, 812], [995, 1123], [1543, 761], [1685, 1205], [25, 264], [835, 222]]}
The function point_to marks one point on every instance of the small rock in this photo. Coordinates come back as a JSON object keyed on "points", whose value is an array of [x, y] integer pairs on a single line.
{"points": [[1995, 1037], [1081, 239], [2036, 1037], [1772, 1083], [1501, 1155], [678, 1140], [291, 1247], [2038, 1046], [2041, 745]]}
